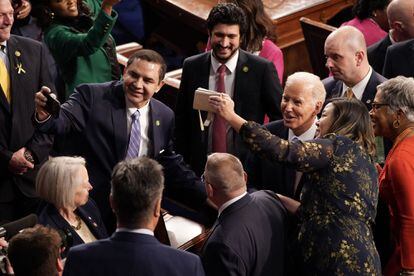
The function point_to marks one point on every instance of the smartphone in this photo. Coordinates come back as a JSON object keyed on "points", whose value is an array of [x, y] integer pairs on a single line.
{"points": [[52, 105]]}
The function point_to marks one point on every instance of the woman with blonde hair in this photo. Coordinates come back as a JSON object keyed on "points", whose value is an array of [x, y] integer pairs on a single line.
{"points": [[63, 183]]}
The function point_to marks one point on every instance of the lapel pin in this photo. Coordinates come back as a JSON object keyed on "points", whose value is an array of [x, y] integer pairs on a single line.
{"points": [[157, 123], [20, 69], [368, 101], [17, 53], [245, 69], [94, 224]]}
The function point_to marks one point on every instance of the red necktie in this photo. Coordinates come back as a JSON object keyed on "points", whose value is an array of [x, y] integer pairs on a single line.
{"points": [[219, 124]]}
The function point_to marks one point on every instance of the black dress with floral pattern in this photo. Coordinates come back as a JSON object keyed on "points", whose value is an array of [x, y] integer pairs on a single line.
{"points": [[338, 200]]}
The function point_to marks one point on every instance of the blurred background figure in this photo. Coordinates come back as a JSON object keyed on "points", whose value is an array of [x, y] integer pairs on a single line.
{"points": [[36, 252], [392, 115], [78, 36], [63, 183], [371, 19]]}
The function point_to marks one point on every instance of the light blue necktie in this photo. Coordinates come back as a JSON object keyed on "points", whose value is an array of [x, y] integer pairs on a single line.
{"points": [[135, 137]]}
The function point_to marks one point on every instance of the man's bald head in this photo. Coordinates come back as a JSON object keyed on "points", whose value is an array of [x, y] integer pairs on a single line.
{"points": [[401, 19], [224, 172], [346, 53]]}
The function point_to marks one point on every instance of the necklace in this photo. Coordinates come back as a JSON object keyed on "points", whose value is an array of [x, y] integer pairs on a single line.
{"points": [[78, 223]]}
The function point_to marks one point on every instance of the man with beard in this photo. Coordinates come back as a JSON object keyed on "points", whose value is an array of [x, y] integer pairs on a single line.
{"points": [[249, 80]]}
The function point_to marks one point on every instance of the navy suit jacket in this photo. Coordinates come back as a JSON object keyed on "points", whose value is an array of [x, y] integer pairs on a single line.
{"points": [[89, 213], [130, 254], [98, 113], [248, 238], [16, 128], [266, 175], [399, 60], [376, 53], [257, 92], [334, 88]]}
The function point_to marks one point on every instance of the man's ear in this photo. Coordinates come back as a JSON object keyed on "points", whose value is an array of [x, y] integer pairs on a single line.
{"points": [[160, 85], [112, 203], [157, 208], [359, 57], [59, 265], [318, 107]]}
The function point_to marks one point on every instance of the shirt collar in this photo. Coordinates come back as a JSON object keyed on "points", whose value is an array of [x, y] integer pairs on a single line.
{"points": [[4, 43], [230, 202], [137, 231], [131, 109], [230, 64], [307, 135], [359, 88]]}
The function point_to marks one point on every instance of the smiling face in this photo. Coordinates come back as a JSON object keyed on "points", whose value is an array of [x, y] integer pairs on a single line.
{"points": [[82, 190], [6, 19], [225, 41], [141, 81], [65, 8], [326, 120], [299, 108], [380, 117]]}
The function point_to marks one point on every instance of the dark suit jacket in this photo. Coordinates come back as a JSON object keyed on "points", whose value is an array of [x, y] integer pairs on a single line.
{"points": [[376, 53], [266, 175], [249, 238], [98, 112], [130, 254], [89, 213], [334, 88], [257, 92], [399, 60], [16, 128]]}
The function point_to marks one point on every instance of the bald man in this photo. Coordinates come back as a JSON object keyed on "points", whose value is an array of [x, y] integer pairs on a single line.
{"points": [[400, 15], [302, 101], [399, 58], [346, 59], [249, 235]]}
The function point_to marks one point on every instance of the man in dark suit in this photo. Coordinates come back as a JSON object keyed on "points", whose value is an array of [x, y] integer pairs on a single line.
{"points": [[23, 70], [249, 80], [249, 235], [401, 20], [352, 76], [119, 120], [136, 191], [302, 101]]}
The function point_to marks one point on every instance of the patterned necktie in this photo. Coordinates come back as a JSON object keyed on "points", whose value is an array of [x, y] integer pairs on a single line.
{"points": [[135, 136], [349, 94], [219, 143], [4, 77]]}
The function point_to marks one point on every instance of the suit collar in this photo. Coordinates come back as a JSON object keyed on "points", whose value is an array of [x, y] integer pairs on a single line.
{"points": [[234, 207], [240, 81], [370, 89], [134, 237], [155, 128]]}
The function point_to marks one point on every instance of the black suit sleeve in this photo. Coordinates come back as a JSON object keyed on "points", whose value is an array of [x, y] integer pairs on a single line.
{"points": [[219, 259], [272, 92], [388, 71]]}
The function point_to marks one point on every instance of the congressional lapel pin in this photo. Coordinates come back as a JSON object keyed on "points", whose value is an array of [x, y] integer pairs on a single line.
{"points": [[245, 69], [17, 53], [368, 101], [157, 122]]}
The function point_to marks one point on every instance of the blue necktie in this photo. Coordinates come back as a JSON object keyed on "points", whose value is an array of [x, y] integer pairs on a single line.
{"points": [[135, 137]]}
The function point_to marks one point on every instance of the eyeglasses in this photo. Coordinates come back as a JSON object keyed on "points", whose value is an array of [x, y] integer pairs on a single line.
{"points": [[376, 106]]}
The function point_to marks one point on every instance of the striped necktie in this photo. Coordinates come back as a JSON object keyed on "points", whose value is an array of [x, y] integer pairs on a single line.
{"points": [[135, 136], [4, 77], [219, 143], [349, 94]]}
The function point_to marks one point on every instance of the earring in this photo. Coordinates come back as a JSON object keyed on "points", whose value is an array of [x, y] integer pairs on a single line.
{"points": [[396, 124], [50, 14]]}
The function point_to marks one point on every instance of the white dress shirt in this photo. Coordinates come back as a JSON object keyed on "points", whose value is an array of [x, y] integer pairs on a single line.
{"points": [[137, 231]]}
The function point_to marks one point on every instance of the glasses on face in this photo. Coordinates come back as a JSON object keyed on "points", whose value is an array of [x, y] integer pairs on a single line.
{"points": [[376, 106]]}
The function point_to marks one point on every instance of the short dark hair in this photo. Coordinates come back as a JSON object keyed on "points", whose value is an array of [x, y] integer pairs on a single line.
{"points": [[150, 56], [35, 251], [229, 14], [135, 187]]}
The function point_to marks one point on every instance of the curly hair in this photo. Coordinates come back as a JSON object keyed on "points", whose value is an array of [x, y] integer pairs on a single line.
{"points": [[229, 14], [364, 8], [259, 24]]}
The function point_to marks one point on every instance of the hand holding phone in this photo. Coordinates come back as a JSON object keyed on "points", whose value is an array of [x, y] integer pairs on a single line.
{"points": [[52, 104]]}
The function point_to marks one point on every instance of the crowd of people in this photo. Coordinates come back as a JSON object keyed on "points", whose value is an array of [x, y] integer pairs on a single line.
{"points": [[323, 188]]}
